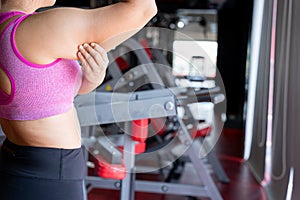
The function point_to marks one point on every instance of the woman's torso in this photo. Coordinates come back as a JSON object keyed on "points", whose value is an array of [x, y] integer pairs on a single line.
{"points": [[54, 127]]}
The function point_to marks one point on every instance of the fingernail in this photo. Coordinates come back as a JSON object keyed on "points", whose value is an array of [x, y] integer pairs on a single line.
{"points": [[85, 45], [93, 44], [80, 47]]}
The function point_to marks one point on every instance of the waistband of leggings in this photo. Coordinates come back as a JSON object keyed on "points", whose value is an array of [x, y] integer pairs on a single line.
{"points": [[42, 162], [14, 146]]}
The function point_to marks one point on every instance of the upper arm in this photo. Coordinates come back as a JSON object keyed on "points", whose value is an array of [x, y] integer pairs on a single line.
{"points": [[57, 33]]}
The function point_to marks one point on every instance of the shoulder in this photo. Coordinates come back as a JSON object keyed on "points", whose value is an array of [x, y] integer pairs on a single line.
{"points": [[39, 36]]}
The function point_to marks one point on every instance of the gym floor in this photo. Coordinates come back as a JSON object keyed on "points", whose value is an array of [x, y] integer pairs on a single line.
{"points": [[230, 152]]}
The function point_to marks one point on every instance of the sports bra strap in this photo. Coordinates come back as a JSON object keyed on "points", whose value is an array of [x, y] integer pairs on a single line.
{"points": [[7, 22]]}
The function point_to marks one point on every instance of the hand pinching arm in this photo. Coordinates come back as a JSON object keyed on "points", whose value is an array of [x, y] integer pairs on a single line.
{"points": [[94, 63]]}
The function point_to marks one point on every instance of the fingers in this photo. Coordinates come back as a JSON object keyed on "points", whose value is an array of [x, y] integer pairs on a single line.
{"points": [[93, 56], [101, 52], [82, 58], [94, 61], [88, 55]]}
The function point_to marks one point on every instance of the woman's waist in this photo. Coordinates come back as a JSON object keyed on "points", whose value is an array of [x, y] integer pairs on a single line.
{"points": [[61, 131], [59, 138]]}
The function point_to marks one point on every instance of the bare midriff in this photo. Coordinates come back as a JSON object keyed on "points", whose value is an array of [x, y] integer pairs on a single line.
{"points": [[60, 131]]}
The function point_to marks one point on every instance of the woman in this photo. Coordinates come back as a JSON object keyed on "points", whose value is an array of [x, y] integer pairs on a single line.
{"points": [[41, 157]]}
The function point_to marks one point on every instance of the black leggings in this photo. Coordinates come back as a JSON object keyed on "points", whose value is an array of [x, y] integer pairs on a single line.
{"points": [[37, 173]]}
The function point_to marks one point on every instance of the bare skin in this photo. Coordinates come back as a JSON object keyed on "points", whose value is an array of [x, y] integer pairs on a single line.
{"points": [[72, 27], [31, 133]]}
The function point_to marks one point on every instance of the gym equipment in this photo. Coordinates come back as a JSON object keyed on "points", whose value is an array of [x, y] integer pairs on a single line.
{"points": [[123, 108], [165, 99], [207, 93], [145, 73]]}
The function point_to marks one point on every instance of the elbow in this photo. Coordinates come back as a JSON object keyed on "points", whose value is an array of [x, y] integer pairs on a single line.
{"points": [[146, 9], [140, 12], [151, 10], [154, 10]]}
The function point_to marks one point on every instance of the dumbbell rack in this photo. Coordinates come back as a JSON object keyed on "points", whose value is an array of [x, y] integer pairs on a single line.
{"points": [[104, 108]]}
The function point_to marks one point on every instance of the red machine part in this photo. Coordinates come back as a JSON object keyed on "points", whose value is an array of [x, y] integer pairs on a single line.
{"points": [[122, 63], [145, 44], [138, 148], [140, 130], [108, 170], [203, 130], [118, 172]]}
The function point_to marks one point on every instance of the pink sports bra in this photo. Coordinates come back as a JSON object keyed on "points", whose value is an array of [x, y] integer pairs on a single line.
{"points": [[37, 91]]}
